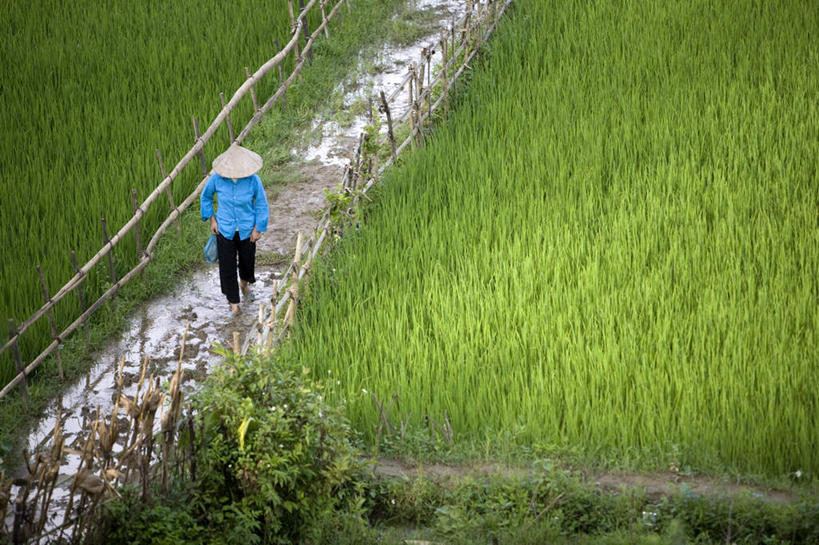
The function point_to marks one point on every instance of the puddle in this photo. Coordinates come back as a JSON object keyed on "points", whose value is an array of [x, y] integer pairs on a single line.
{"points": [[336, 142]]}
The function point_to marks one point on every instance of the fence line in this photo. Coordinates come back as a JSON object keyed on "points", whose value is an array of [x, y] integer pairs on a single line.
{"points": [[147, 255]]}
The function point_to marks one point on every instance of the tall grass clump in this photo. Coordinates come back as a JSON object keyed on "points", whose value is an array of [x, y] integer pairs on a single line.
{"points": [[612, 246]]}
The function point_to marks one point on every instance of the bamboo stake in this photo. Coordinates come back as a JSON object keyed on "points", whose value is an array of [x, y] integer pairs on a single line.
{"points": [[229, 123], [80, 294], [306, 30], [480, 20], [281, 76], [18, 362], [293, 29], [412, 109], [468, 25], [452, 30], [290, 316], [357, 162], [237, 349], [168, 188], [386, 109], [53, 327], [107, 241], [137, 229], [444, 71], [429, 86], [418, 104], [252, 91], [201, 153], [324, 19]]}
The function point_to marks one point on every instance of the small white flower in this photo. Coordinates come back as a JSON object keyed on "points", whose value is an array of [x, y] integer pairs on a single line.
{"points": [[798, 473], [392, 501], [281, 446], [363, 390], [338, 383], [329, 371], [273, 408], [284, 406]]}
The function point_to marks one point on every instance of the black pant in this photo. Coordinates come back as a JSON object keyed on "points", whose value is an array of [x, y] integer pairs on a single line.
{"points": [[228, 250]]}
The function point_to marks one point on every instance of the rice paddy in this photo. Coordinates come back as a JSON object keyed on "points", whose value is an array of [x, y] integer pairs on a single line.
{"points": [[90, 91], [612, 246]]}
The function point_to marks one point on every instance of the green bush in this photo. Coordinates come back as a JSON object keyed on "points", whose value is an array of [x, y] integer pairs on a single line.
{"points": [[274, 456]]}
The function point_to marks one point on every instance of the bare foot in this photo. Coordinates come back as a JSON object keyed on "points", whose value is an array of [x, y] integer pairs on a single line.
{"points": [[234, 308], [246, 293]]}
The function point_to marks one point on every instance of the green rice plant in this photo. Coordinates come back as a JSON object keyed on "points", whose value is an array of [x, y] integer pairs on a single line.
{"points": [[612, 245]]}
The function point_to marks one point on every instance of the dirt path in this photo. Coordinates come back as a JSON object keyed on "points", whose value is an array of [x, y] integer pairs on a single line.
{"points": [[655, 484]]}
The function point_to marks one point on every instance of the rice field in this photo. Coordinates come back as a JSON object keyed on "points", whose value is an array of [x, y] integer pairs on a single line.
{"points": [[89, 91], [611, 247]]}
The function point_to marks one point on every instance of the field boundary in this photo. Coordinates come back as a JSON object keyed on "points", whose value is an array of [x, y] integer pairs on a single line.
{"points": [[299, 30]]}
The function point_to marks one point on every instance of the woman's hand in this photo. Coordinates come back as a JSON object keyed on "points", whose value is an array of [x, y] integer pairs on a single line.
{"points": [[214, 227], [255, 235]]}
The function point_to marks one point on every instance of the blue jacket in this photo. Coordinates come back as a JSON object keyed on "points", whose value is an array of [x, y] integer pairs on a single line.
{"points": [[242, 205]]}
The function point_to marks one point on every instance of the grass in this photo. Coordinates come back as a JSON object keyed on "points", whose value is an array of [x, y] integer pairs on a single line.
{"points": [[361, 32], [612, 248]]}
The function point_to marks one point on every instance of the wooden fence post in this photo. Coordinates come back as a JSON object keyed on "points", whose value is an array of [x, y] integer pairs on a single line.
{"points": [[418, 105], [18, 362], [252, 92], [306, 29], [281, 75], [293, 26], [201, 151], [480, 22], [467, 28], [454, 44], [429, 86], [137, 229], [54, 336], [412, 108], [168, 189], [229, 123], [107, 241], [80, 294], [386, 109]]}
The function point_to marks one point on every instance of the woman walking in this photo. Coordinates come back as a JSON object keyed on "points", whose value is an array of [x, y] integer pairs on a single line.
{"points": [[240, 219]]}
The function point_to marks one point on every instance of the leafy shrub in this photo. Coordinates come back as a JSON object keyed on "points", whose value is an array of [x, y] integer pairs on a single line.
{"points": [[274, 456]]}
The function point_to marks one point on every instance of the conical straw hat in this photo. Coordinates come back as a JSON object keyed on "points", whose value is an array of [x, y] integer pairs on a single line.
{"points": [[237, 162]]}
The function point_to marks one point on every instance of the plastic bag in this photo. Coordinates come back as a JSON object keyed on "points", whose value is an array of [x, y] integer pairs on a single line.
{"points": [[211, 254]]}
